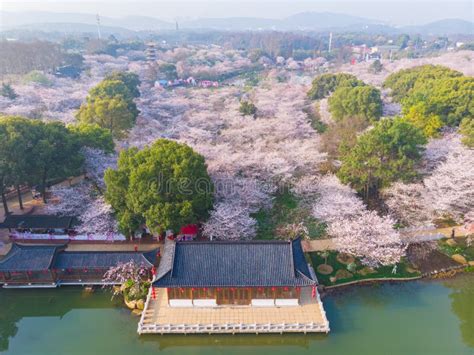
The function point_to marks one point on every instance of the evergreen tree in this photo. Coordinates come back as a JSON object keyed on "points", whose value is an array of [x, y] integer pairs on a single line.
{"points": [[8, 92], [359, 101], [165, 185], [385, 154]]}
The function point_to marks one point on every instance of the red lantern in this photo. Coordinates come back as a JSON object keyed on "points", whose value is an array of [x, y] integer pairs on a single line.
{"points": [[313, 292], [273, 289], [153, 293], [285, 288], [153, 271]]}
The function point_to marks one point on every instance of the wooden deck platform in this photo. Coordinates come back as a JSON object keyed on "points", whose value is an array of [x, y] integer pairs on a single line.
{"points": [[159, 318]]}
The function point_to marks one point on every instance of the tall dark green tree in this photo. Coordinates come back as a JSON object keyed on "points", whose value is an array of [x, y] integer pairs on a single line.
{"points": [[402, 82], [323, 85], [168, 70], [93, 136], [131, 81], [466, 128], [359, 101], [17, 148], [165, 185], [8, 92], [451, 98], [57, 155], [384, 154], [110, 105]]}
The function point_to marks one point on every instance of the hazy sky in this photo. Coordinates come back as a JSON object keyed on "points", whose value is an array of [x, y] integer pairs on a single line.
{"points": [[401, 12]]}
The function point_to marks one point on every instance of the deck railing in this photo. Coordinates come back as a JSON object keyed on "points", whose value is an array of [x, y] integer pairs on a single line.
{"points": [[232, 328], [146, 325]]}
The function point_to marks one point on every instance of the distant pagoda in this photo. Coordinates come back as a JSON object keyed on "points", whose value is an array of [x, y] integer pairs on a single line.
{"points": [[151, 52]]}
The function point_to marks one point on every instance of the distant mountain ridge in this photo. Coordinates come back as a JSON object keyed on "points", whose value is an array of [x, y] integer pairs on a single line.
{"points": [[306, 21], [447, 26]]}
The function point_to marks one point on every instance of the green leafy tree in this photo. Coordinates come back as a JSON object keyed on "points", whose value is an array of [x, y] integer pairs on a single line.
{"points": [[402, 82], [247, 108], [4, 166], [449, 98], [467, 130], [325, 84], [429, 123], [113, 89], [130, 80], [110, 105], [17, 149], [402, 41], [165, 185], [8, 92], [360, 101], [93, 136], [56, 155], [168, 70], [376, 67], [384, 154]]}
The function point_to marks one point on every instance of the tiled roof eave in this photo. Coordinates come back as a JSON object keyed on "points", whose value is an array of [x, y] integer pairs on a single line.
{"points": [[299, 283]]}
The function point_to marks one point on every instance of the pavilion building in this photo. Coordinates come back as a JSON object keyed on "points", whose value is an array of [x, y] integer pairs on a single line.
{"points": [[52, 265], [234, 287]]}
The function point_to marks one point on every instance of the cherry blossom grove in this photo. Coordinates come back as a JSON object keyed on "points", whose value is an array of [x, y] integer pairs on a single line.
{"points": [[59, 98], [409, 204], [447, 188], [95, 164], [355, 229], [450, 188], [370, 237], [267, 150], [94, 214]]}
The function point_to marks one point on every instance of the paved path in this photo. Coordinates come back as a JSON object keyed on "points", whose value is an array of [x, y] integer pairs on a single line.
{"points": [[318, 245], [113, 247], [423, 235], [410, 236]]}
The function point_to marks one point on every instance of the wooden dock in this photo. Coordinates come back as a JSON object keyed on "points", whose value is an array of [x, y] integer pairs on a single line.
{"points": [[159, 318]]}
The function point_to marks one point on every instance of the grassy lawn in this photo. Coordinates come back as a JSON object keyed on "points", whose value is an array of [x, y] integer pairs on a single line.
{"points": [[360, 272], [286, 210], [460, 248]]}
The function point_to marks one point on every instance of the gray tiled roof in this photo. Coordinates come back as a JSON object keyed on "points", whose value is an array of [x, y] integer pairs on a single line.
{"points": [[239, 264], [44, 257], [28, 258], [38, 221], [87, 259]]}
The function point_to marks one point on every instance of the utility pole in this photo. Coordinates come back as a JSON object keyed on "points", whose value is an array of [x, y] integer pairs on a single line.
{"points": [[330, 42], [98, 26]]}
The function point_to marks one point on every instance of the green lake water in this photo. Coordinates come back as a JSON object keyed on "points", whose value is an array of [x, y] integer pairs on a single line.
{"points": [[423, 317]]}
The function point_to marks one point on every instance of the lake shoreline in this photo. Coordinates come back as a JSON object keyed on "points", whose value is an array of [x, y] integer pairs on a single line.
{"points": [[452, 273]]}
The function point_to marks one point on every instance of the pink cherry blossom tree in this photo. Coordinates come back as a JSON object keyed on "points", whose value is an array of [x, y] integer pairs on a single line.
{"points": [[355, 229]]}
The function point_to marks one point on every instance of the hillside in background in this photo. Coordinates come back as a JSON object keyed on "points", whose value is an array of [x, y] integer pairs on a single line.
{"points": [[306, 21]]}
